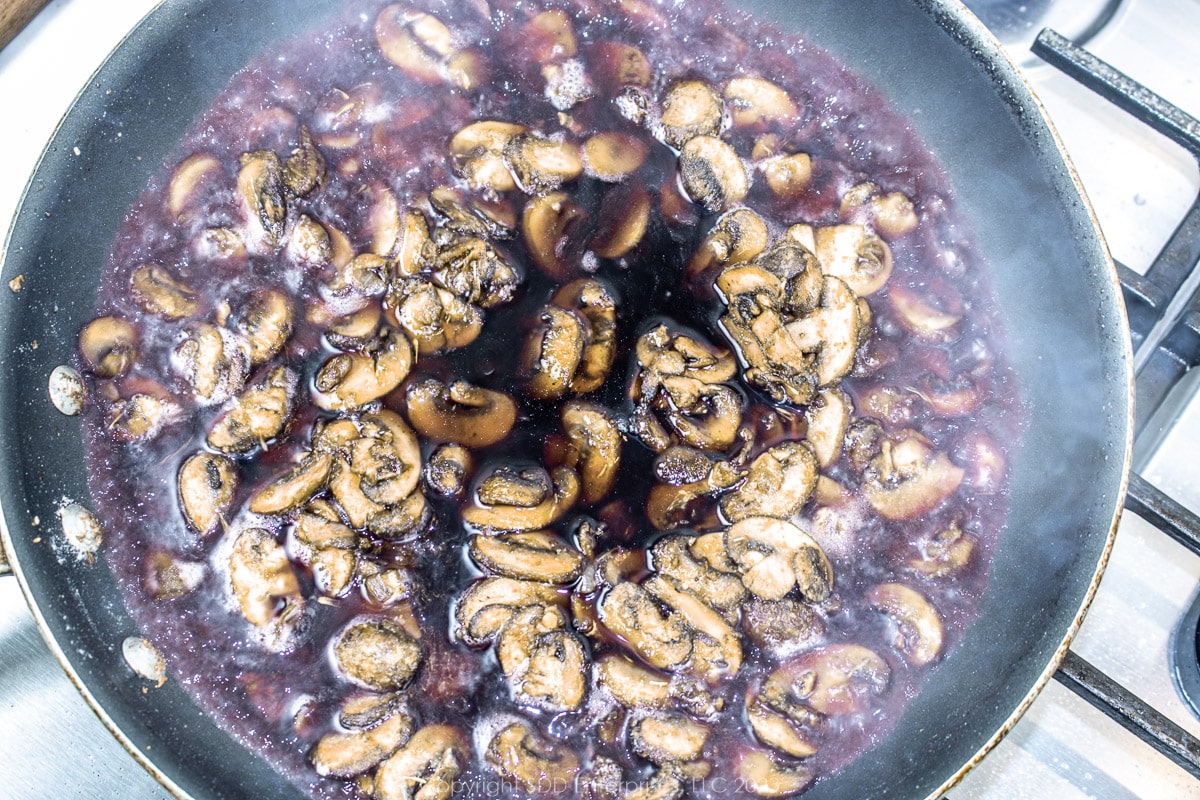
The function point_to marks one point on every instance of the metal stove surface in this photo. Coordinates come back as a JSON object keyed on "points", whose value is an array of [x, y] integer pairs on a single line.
{"points": [[1140, 184]]}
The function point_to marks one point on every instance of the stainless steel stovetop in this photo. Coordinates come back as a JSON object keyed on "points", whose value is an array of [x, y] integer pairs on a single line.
{"points": [[1140, 184]]}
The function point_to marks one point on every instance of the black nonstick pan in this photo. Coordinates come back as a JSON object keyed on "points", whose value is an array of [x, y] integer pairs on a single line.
{"points": [[1056, 286]]}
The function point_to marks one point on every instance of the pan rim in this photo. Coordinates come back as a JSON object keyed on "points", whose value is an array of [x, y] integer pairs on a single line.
{"points": [[955, 19]]}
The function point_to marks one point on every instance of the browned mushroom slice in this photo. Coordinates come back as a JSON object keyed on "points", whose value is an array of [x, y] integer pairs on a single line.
{"points": [[415, 249], [776, 730], [142, 415], [623, 222], [258, 415], [261, 189], [944, 553], [460, 216], [833, 332], [788, 176], [710, 549], [214, 361], [449, 469], [478, 150], [377, 654], [345, 755], [594, 447], [387, 456], [633, 686], [518, 518], [551, 225], [109, 345], [346, 487], [850, 252], [892, 214], [186, 178], [613, 156], [542, 165], [673, 560], [828, 417], [691, 108], [487, 605], [782, 627], [668, 738], [662, 640], [424, 769], [765, 548], [263, 581], [761, 776], [553, 674], [416, 42], [739, 236], [519, 754], [460, 413], [350, 380], [590, 300], [207, 484], [910, 478], [476, 272], [305, 166], [158, 292], [310, 243], [934, 318], [663, 352], [553, 352], [434, 318], [295, 487], [835, 680], [797, 267], [666, 784], [919, 627], [535, 556], [713, 174], [704, 415], [778, 484], [717, 648], [327, 547], [756, 101], [266, 322]]}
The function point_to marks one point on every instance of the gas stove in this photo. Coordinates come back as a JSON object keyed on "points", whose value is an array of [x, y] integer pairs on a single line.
{"points": [[1142, 186]]}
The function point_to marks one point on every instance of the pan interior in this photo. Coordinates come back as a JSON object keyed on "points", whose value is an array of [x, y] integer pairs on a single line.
{"points": [[1050, 272]]}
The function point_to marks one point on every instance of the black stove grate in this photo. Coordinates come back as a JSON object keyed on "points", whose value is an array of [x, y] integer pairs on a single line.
{"points": [[1164, 316]]}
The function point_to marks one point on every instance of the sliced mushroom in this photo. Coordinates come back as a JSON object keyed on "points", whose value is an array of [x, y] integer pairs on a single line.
{"points": [[623, 222], [553, 672], [934, 317], [666, 784], [542, 165], [691, 108], [594, 447], [263, 581], [265, 321], [462, 217], [782, 627], [507, 486], [551, 225], [778, 484], [710, 548], [460, 413], [553, 352], [377, 654], [788, 176], [345, 755], [207, 484], [944, 553], [520, 518], [109, 345], [327, 547], [449, 469], [305, 167], [473, 269], [214, 361], [190, 173], [739, 236], [713, 174], [910, 479], [834, 331], [828, 416], [919, 627], [261, 189], [596, 306], [488, 604], [535, 556], [519, 754], [662, 640], [762, 776], [634, 686], [416, 42], [673, 560], [434, 318], [143, 415], [424, 769], [754, 102], [350, 380], [294, 488], [668, 738], [892, 214], [704, 415], [158, 292], [258, 415], [478, 149], [777, 730], [613, 156], [850, 252], [716, 649], [766, 549]]}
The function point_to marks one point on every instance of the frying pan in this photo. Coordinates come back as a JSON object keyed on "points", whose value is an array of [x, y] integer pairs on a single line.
{"points": [[1054, 280]]}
